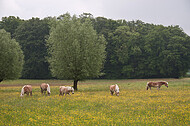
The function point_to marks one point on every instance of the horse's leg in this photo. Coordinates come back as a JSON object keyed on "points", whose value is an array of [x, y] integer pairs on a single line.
{"points": [[158, 88], [61, 93], [41, 91], [31, 93], [111, 92], [27, 93]]}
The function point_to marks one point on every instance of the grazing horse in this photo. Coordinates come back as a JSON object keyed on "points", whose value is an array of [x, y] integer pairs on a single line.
{"points": [[26, 89], [45, 87], [66, 90], [156, 84], [114, 88]]}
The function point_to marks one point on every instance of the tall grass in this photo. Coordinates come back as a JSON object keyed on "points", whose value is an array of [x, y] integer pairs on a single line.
{"points": [[93, 105]]}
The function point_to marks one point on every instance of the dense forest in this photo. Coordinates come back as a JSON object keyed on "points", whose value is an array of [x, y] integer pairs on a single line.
{"points": [[134, 49]]}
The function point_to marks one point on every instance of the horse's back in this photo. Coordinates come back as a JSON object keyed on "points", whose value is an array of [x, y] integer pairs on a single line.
{"points": [[61, 88], [151, 84], [155, 84], [67, 89], [64, 89], [112, 87], [27, 88], [44, 85]]}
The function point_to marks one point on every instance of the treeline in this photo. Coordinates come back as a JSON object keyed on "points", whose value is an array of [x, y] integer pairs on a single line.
{"points": [[134, 49]]}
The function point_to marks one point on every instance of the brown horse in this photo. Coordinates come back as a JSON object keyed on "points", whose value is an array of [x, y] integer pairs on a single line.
{"points": [[66, 90], [156, 84], [45, 87], [114, 88], [26, 89]]}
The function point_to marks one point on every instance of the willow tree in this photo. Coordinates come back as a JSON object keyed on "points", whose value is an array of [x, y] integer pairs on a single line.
{"points": [[75, 50], [11, 57]]}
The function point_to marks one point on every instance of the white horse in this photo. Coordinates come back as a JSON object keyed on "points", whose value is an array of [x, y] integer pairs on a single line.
{"points": [[114, 88], [26, 89], [45, 87], [66, 90]]}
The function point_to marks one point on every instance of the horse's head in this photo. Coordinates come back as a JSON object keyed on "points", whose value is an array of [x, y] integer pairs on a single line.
{"points": [[22, 94], [117, 90], [70, 89], [166, 84], [48, 93]]}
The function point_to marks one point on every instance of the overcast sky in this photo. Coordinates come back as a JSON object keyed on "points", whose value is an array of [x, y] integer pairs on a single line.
{"points": [[165, 12]]}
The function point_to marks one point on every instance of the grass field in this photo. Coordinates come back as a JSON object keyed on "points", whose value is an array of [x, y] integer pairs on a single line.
{"points": [[92, 104]]}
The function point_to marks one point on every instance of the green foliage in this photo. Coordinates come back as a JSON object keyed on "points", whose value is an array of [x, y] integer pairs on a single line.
{"points": [[31, 35], [167, 52], [139, 50], [11, 57], [134, 49], [76, 51], [107, 27], [10, 24]]}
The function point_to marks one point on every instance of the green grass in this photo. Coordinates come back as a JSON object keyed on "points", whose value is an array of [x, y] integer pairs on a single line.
{"points": [[93, 104]]}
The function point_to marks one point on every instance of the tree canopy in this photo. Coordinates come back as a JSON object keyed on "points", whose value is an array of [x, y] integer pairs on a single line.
{"points": [[11, 57], [10, 24], [134, 49], [157, 52], [31, 35], [76, 51]]}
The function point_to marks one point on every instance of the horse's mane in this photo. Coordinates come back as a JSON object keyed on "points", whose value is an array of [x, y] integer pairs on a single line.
{"points": [[70, 88], [163, 82], [22, 90], [117, 87], [48, 88]]}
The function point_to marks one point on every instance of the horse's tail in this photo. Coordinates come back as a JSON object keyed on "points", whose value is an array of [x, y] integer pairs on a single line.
{"points": [[22, 91], [48, 88]]}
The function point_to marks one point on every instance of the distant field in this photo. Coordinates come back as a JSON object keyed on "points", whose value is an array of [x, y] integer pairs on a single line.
{"points": [[93, 104]]}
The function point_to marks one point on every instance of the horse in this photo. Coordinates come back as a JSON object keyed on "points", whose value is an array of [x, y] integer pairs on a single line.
{"points": [[156, 84], [114, 88], [65, 90], [26, 89], [45, 87]]}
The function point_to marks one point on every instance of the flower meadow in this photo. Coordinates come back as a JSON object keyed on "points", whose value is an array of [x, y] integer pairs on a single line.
{"points": [[93, 105]]}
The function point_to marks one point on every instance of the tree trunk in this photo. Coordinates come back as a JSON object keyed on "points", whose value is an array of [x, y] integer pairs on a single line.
{"points": [[75, 84]]}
